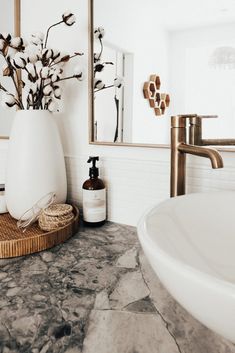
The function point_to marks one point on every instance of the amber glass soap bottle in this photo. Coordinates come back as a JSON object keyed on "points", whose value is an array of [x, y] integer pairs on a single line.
{"points": [[94, 197]]}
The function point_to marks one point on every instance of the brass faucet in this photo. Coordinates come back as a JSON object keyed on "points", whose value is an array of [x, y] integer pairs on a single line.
{"points": [[180, 147]]}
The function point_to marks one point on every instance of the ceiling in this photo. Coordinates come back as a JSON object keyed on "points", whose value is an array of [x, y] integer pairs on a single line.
{"points": [[182, 14]]}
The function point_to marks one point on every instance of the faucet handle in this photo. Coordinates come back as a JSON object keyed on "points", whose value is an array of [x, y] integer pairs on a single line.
{"points": [[194, 119], [197, 119], [207, 116], [191, 116], [187, 116]]}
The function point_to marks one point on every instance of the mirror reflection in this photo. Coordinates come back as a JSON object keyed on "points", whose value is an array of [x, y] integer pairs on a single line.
{"points": [[7, 22], [190, 46]]}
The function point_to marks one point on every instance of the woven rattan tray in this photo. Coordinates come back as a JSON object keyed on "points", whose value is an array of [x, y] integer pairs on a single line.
{"points": [[13, 242]]}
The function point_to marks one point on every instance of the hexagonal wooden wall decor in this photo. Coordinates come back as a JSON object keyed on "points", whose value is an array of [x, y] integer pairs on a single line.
{"points": [[157, 100], [156, 79]]}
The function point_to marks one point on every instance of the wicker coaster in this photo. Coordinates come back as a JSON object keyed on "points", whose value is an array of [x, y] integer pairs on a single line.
{"points": [[55, 216], [49, 223], [58, 210]]}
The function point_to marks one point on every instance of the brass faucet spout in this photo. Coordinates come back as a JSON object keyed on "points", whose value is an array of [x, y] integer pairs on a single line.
{"points": [[211, 153], [180, 148]]}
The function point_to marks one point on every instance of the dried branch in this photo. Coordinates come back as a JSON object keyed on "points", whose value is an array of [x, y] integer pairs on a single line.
{"points": [[12, 75], [47, 34]]}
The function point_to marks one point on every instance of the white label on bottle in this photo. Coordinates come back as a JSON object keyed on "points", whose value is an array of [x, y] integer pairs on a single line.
{"points": [[94, 205]]}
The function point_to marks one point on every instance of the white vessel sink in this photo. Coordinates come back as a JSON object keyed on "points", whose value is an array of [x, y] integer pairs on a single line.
{"points": [[190, 243]]}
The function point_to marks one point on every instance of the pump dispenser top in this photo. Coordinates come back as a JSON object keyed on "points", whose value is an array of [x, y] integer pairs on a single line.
{"points": [[93, 171]]}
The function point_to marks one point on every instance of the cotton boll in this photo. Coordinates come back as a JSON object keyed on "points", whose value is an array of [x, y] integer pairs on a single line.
{"points": [[20, 60], [16, 42], [31, 70], [8, 100], [54, 78], [32, 58], [52, 106], [2, 44], [99, 32], [57, 92], [78, 72], [5, 36], [56, 56], [55, 74], [33, 52], [69, 18], [57, 59], [96, 57], [118, 82], [98, 84], [11, 52], [55, 53], [47, 53], [38, 66], [47, 90], [47, 81], [45, 72]]}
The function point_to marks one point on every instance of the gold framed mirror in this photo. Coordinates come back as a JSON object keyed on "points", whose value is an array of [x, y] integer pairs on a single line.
{"points": [[9, 22], [17, 15], [180, 48], [92, 122]]}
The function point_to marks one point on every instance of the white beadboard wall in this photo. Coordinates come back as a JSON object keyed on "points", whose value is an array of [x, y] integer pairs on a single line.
{"points": [[136, 184], [133, 185], [202, 178]]}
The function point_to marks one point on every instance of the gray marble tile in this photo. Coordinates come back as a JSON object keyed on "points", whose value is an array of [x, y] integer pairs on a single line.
{"points": [[128, 260], [191, 335], [122, 332], [95, 293], [53, 292], [102, 301], [129, 289], [142, 306]]}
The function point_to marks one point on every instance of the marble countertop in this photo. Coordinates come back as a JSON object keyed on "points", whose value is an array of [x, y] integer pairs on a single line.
{"points": [[95, 294]]}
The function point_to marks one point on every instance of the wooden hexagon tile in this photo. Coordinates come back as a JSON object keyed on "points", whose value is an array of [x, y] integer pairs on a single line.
{"points": [[157, 100]]}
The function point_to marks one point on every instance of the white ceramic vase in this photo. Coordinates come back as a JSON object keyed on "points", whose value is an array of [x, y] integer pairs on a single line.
{"points": [[35, 164]]}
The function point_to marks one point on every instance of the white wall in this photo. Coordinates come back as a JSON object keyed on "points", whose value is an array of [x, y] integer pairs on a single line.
{"points": [[136, 177], [196, 86]]}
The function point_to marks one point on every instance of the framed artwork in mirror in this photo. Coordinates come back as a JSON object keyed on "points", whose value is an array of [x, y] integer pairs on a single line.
{"points": [[192, 55], [9, 23]]}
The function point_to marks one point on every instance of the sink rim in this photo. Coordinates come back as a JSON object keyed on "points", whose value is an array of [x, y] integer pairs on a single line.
{"points": [[152, 246]]}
